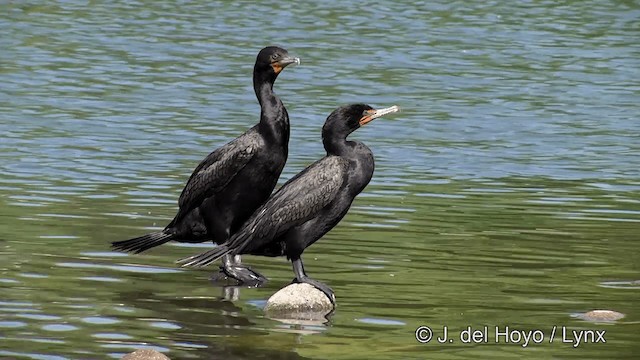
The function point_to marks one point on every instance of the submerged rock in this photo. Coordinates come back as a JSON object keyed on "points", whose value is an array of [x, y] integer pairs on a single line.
{"points": [[145, 354], [601, 315], [299, 302]]}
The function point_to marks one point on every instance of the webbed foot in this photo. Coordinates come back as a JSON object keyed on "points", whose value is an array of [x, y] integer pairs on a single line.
{"points": [[318, 285], [241, 274]]}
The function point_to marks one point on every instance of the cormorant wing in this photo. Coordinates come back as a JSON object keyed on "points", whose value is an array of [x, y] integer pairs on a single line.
{"points": [[297, 201], [217, 170]]}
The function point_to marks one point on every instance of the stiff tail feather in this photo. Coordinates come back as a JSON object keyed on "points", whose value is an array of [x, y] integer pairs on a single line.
{"points": [[142, 243], [206, 257]]}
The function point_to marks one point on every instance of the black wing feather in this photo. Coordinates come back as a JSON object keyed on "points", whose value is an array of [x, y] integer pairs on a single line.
{"points": [[297, 201], [217, 170]]}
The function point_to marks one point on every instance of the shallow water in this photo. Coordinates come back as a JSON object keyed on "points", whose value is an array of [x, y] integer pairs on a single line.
{"points": [[507, 192]]}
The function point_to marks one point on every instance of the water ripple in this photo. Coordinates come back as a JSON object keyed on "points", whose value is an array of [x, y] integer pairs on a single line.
{"points": [[511, 172]]}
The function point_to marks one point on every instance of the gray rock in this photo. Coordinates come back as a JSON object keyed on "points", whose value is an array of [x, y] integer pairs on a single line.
{"points": [[145, 354], [299, 302], [601, 315]]}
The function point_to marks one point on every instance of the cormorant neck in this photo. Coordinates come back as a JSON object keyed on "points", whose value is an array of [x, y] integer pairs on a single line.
{"points": [[274, 120], [336, 143], [360, 157], [263, 86]]}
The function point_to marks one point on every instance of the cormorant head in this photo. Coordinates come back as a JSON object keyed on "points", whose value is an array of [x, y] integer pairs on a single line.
{"points": [[346, 119], [272, 59]]}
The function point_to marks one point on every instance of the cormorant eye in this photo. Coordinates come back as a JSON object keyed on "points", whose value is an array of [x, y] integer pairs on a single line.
{"points": [[274, 57]]}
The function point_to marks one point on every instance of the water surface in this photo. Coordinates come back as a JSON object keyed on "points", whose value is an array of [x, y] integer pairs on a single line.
{"points": [[507, 192]]}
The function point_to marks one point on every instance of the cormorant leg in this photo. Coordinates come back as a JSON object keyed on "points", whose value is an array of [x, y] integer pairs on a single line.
{"points": [[301, 277], [232, 268]]}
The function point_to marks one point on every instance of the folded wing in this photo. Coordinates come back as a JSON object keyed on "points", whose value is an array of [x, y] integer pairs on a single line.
{"points": [[216, 171], [296, 202]]}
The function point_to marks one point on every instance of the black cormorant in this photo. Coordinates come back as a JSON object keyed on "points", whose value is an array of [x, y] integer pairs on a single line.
{"points": [[234, 180], [312, 202]]}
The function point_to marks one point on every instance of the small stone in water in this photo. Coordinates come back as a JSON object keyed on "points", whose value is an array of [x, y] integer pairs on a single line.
{"points": [[145, 354], [601, 315], [298, 301]]}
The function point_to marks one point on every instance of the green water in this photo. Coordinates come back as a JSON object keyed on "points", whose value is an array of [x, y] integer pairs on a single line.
{"points": [[507, 192]]}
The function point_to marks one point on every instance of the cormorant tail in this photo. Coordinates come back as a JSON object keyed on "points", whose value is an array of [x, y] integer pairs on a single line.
{"points": [[206, 257], [142, 243]]}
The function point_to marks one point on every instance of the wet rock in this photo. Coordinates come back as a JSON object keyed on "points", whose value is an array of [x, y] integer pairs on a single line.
{"points": [[601, 315], [299, 302], [145, 354]]}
